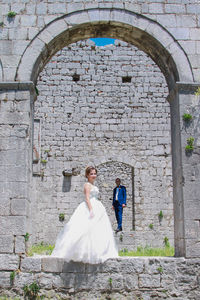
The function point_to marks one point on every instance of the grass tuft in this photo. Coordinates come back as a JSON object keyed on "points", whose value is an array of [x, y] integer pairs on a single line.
{"points": [[45, 249], [40, 249], [148, 251]]}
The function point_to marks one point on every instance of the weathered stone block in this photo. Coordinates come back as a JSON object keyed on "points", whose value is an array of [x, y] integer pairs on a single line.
{"points": [[52, 264], [74, 7], [9, 262], [66, 280], [28, 21], [192, 8], [134, 7], [175, 8], [18, 7], [149, 281], [46, 281], [20, 45], [6, 47], [167, 20], [180, 33], [6, 244], [17, 173], [23, 279], [20, 244], [18, 34], [195, 34], [73, 267], [13, 225], [4, 8], [19, 190], [4, 279], [189, 46], [32, 32], [157, 8], [4, 201], [186, 21], [130, 265], [30, 8], [31, 264], [14, 118], [130, 281], [57, 8], [19, 207]]}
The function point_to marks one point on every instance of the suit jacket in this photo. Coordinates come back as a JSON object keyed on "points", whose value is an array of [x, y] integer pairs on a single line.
{"points": [[121, 195]]}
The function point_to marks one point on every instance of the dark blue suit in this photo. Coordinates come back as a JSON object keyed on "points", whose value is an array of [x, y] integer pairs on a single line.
{"points": [[118, 203]]}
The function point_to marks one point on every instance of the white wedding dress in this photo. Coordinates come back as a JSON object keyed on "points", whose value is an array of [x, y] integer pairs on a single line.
{"points": [[86, 239]]}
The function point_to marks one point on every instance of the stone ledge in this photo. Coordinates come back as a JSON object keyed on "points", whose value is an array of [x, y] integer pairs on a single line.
{"points": [[183, 87], [50, 264], [14, 85], [187, 86]]}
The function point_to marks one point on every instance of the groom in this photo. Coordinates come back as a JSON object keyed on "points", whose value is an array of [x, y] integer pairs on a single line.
{"points": [[119, 202]]}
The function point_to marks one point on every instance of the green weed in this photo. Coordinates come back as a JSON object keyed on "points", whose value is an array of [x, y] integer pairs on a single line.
{"points": [[166, 242], [190, 145], [31, 291], [26, 237], [11, 14], [40, 249], [197, 93], [151, 226], [160, 270], [61, 217], [187, 117], [12, 276]]}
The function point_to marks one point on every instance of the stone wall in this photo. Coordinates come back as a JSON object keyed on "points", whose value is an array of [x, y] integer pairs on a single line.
{"points": [[101, 118], [180, 18], [124, 278], [15, 163], [169, 33]]}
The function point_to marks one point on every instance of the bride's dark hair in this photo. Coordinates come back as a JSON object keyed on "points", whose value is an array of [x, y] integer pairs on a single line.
{"points": [[88, 170]]}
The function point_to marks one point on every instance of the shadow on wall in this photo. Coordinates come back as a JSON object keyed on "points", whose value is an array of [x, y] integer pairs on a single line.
{"points": [[1, 71], [66, 187]]}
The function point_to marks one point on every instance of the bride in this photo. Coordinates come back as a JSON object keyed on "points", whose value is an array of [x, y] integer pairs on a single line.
{"points": [[88, 236]]}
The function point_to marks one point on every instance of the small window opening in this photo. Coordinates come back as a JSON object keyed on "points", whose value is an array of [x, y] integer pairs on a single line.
{"points": [[126, 79], [76, 77]]}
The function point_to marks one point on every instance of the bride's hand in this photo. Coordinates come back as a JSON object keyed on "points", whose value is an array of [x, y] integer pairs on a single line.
{"points": [[91, 214]]}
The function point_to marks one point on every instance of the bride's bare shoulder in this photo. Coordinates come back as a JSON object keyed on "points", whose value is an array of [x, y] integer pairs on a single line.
{"points": [[87, 186]]}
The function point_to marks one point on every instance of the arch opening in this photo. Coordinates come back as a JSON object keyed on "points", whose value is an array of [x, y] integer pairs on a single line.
{"points": [[101, 120], [135, 36]]}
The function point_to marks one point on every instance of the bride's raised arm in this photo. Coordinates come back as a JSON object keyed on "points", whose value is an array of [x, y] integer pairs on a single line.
{"points": [[87, 189]]}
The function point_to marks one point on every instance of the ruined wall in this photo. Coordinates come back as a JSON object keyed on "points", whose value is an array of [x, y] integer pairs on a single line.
{"points": [[37, 27], [101, 118], [123, 278], [180, 18]]}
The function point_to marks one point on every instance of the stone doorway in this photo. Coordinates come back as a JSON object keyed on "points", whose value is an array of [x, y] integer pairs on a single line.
{"points": [[107, 173]]}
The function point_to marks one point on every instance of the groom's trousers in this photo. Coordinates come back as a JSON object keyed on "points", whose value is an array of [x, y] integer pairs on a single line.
{"points": [[118, 213]]}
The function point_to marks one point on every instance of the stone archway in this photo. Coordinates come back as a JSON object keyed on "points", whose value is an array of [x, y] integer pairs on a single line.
{"points": [[144, 33], [147, 35]]}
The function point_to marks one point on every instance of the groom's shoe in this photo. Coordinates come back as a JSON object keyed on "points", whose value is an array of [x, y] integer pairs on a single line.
{"points": [[118, 230]]}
